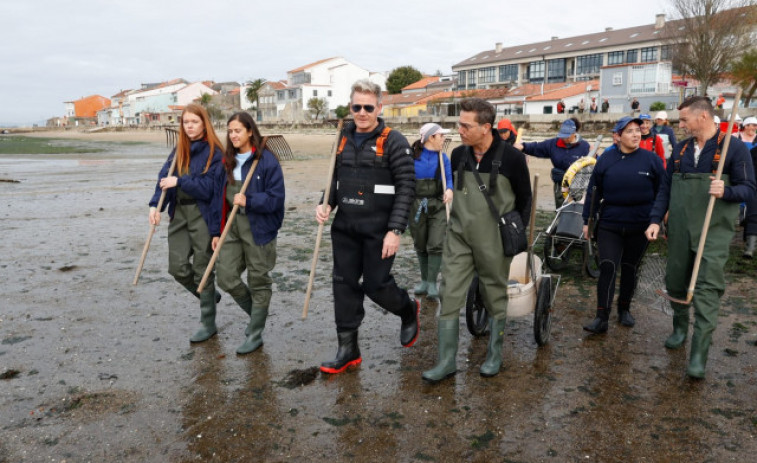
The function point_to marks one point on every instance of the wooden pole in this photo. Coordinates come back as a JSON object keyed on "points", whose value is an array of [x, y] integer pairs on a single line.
{"points": [[152, 227], [326, 193], [518, 138], [230, 221], [530, 271], [708, 214]]}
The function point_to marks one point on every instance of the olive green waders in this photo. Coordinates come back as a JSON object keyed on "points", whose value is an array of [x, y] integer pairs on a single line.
{"points": [[473, 245], [239, 252], [189, 239], [688, 204], [428, 222]]}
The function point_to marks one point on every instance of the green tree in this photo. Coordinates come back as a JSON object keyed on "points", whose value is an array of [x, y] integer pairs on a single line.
{"points": [[707, 35], [317, 106], [402, 77], [744, 72], [205, 99], [342, 111], [657, 106], [253, 91]]}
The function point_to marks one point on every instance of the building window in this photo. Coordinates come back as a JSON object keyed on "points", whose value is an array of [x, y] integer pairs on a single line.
{"points": [[315, 92], [648, 54], [589, 64], [631, 56], [329, 92], [666, 53], [536, 71], [486, 75], [461, 79], [281, 95], [556, 70], [615, 57], [293, 94], [643, 79], [508, 72], [471, 79], [617, 78]]}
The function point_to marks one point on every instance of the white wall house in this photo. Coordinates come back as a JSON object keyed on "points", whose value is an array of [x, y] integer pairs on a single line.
{"points": [[191, 92]]}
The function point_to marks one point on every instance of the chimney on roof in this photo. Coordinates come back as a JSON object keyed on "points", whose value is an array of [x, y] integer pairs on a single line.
{"points": [[608, 29], [659, 21], [498, 47], [554, 37]]}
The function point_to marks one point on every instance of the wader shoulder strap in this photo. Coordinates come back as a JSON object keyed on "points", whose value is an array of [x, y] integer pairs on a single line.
{"points": [[715, 159], [482, 187], [381, 140]]}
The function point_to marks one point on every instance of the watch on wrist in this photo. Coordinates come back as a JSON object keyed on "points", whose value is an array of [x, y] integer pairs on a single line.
{"points": [[397, 232]]}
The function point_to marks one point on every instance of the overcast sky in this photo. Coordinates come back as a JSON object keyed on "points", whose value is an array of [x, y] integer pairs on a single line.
{"points": [[54, 51]]}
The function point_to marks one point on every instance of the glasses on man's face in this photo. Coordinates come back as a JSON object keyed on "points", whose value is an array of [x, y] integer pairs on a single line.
{"points": [[464, 126], [369, 108]]}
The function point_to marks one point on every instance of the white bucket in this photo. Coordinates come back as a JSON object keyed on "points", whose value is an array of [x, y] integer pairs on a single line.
{"points": [[522, 295]]}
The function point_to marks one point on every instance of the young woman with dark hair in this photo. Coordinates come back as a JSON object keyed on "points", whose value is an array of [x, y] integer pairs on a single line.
{"points": [[195, 217], [251, 241]]}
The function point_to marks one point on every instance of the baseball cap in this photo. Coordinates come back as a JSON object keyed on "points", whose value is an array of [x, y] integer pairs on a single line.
{"points": [[623, 122], [645, 117], [431, 129], [661, 115], [567, 129], [505, 124]]}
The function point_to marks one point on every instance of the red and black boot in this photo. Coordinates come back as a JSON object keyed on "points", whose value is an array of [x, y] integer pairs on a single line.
{"points": [[347, 355]]}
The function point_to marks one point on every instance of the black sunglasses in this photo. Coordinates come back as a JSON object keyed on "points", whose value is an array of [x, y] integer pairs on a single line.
{"points": [[357, 107]]}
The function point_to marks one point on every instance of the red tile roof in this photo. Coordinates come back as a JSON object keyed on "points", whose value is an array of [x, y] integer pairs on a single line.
{"points": [[573, 90], [423, 83], [302, 68], [486, 94], [405, 98]]}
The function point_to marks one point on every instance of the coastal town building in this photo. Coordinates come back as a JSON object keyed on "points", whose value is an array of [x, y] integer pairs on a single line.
{"points": [[84, 110]]}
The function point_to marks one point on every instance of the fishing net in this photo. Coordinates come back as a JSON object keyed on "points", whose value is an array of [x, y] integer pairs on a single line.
{"points": [[652, 279]]}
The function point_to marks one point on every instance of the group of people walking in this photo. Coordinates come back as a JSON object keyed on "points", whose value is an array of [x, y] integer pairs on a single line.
{"points": [[382, 186]]}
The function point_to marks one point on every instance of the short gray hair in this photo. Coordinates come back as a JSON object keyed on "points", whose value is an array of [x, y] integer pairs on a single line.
{"points": [[366, 86]]}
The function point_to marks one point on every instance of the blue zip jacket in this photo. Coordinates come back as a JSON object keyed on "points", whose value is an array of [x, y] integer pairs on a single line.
{"points": [[562, 156], [426, 164], [199, 185], [626, 187], [738, 167], [265, 197]]}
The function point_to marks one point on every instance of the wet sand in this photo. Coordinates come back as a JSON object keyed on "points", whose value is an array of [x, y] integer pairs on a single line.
{"points": [[100, 370]]}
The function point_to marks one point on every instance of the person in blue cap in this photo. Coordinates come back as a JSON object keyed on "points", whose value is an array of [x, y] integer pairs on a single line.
{"points": [[563, 150], [627, 179]]}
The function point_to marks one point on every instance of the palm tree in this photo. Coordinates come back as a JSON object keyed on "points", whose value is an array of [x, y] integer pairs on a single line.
{"points": [[253, 88]]}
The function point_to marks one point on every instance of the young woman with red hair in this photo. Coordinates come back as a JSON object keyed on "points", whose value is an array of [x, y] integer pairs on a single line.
{"points": [[195, 216]]}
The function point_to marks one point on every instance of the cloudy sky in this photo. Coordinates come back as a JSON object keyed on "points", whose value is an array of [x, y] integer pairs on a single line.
{"points": [[53, 51]]}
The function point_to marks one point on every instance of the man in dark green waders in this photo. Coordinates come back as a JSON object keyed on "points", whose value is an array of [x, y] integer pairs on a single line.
{"points": [[473, 243], [684, 192]]}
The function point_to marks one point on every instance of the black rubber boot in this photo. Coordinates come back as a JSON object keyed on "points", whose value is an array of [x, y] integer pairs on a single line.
{"points": [[446, 366], [347, 355], [411, 323], [624, 314], [599, 324]]}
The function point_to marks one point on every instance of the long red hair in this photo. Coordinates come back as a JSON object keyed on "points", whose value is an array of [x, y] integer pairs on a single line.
{"points": [[184, 143]]}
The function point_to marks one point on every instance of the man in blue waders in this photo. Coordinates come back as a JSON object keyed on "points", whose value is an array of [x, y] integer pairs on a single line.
{"points": [[684, 192]]}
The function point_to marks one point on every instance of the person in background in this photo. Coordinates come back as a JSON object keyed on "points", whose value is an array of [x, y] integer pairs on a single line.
{"points": [[624, 181], [635, 106], [605, 105], [563, 150], [507, 131], [560, 107], [685, 194], [649, 140], [748, 135], [372, 190], [664, 130], [195, 216], [473, 243], [428, 218], [593, 106], [250, 243], [581, 106]]}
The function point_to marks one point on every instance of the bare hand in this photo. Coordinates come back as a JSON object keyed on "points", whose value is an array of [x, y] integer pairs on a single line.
{"points": [[168, 182], [717, 187], [652, 231], [518, 146], [448, 196], [391, 245], [322, 213], [214, 242], [585, 231], [240, 200], [154, 216]]}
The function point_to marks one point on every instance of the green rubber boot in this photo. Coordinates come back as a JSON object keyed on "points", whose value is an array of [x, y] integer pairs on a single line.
{"points": [[254, 331], [207, 316], [700, 347], [680, 326], [449, 331], [422, 287], [493, 361], [245, 303], [434, 264]]}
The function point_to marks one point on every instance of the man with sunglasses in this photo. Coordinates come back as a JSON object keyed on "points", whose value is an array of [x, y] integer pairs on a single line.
{"points": [[372, 190], [484, 165]]}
